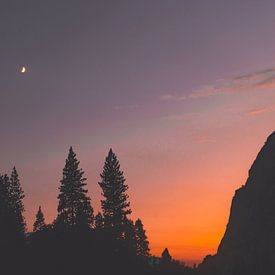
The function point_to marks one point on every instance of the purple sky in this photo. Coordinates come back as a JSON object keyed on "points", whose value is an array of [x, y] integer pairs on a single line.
{"points": [[162, 82], [93, 64]]}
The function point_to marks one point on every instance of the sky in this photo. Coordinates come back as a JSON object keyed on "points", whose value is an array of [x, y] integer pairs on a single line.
{"points": [[183, 91]]}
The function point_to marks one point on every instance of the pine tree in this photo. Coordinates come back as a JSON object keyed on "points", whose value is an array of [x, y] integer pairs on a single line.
{"points": [[4, 210], [165, 257], [16, 196], [99, 222], [115, 205], [4, 195], [141, 240], [11, 210], [39, 223], [166, 262], [130, 237], [74, 208]]}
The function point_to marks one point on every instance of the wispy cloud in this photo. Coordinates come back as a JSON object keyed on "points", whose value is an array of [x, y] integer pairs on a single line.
{"points": [[172, 97], [205, 91], [259, 111], [257, 81]]}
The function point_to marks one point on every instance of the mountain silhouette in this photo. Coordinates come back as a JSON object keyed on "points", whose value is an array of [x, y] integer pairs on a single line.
{"points": [[248, 245]]}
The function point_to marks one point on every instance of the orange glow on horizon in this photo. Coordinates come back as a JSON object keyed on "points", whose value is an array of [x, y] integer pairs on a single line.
{"points": [[183, 199]]}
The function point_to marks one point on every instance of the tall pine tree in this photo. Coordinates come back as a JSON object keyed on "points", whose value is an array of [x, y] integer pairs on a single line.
{"points": [[115, 205], [4, 211], [141, 240], [74, 208], [39, 223], [16, 196], [12, 221]]}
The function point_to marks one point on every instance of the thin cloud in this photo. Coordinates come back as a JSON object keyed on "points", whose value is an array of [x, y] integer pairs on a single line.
{"points": [[254, 75], [173, 97], [256, 81], [267, 83], [263, 80], [205, 91], [259, 111]]}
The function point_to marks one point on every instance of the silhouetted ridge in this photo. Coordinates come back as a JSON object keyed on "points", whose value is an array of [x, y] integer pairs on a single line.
{"points": [[263, 168], [248, 245]]}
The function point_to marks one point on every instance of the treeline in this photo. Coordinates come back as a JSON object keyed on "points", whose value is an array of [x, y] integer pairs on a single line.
{"points": [[78, 241]]}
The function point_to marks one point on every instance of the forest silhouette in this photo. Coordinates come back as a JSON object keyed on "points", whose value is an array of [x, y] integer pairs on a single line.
{"points": [[79, 241]]}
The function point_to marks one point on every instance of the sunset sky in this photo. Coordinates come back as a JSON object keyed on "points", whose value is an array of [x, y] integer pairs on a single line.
{"points": [[183, 91]]}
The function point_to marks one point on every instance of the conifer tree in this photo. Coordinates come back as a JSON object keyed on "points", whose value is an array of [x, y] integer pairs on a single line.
{"points": [[4, 210], [39, 223], [115, 205], [165, 257], [16, 196], [130, 237], [99, 223], [11, 210], [141, 240], [74, 208], [4, 194]]}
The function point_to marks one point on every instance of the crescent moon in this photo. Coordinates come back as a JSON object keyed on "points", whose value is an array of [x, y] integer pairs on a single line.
{"points": [[23, 69]]}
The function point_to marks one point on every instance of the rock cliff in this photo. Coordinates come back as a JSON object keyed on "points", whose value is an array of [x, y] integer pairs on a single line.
{"points": [[248, 245]]}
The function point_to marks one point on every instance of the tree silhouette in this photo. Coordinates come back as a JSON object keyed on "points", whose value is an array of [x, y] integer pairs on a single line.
{"points": [[39, 223], [141, 240], [166, 258], [99, 222], [15, 201], [115, 205], [130, 237], [4, 210], [117, 245], [74, 208], [12, 224]]}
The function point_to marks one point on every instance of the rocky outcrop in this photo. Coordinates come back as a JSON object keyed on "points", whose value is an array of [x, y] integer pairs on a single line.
{"points": [[248, 245]]}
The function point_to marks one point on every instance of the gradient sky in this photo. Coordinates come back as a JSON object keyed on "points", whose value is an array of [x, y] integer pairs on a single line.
{"points": [[183, 91]]}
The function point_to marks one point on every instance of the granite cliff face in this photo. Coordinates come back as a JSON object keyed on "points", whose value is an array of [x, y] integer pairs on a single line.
{"points": [[248, 245]]}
